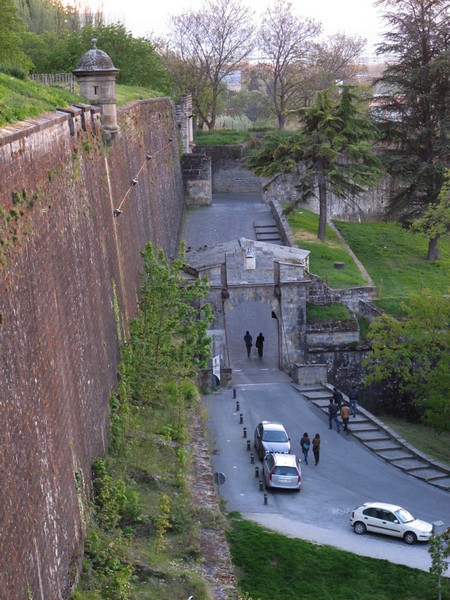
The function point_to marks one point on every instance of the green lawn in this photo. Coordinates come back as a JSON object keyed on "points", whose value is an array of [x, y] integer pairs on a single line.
{"points": [[220, 137], [23, 99], [271, 566], [394, 257], [304, 224], [422, 437]]}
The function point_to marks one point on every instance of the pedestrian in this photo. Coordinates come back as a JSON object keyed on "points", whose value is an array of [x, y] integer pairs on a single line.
{"points": [[345, 415], [353, 397], [305, 443], [316, 448], [333, 412], [260, 344], [338, 397], [248, 342]]}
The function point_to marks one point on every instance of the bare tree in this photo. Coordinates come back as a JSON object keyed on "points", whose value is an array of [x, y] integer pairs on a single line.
{"points": [[284, 41], [210, 43]]}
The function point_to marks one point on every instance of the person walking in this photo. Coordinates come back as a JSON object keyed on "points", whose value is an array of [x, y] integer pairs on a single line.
{"points": [[333, 412], [305, 443], [248, 342], [353, 397], [345, 415], [260, 344], [338, 397], [316, 448]]}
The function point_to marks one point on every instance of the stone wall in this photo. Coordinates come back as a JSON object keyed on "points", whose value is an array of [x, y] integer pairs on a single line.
{"points": [[228, 171], [197, 178], [68, 269], [369, 206]]}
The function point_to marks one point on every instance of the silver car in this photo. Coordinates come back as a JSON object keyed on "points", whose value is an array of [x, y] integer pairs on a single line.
{"points": [[282, 471], [390, 519], [271, 437]]}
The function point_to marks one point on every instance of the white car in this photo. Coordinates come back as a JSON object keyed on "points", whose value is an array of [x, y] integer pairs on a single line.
{"points": [[390, 519]]}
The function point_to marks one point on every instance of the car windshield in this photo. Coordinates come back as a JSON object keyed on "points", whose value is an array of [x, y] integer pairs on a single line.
{"points": [[274, 436], [404, 516]]}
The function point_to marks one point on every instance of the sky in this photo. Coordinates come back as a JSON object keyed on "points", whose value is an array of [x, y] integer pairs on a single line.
{"points": [[353, 17]]}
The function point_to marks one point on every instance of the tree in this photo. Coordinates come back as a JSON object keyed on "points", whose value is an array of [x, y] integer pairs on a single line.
{"points": [[332, 151], [11, 26], [439, 551], [284, 41], [414, 354], [415, 119], [211, 43], [435, 221], [137, 59], [335, 59], [168, 339]]}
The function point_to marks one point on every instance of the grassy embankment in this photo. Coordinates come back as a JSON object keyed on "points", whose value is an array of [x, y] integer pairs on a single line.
{"points": [[24, 99]]}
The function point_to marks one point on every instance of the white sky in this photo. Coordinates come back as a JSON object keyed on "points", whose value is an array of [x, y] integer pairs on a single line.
{"points": [[353, 17]]}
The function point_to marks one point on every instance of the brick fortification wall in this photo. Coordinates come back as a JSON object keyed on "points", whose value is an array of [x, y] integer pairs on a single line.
{"points": [[67, 267]]}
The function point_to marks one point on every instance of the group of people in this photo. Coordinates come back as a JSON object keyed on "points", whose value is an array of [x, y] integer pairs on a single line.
{"points": [[336, 407], [305, 444], [259, 344]]}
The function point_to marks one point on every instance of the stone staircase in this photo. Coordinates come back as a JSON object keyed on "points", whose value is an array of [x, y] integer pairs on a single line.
{"points": [[383, 441], [267, 231]]}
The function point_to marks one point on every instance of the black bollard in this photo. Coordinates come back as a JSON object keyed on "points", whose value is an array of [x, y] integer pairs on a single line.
{"points": [[261, 486], [256, 471], [245, 432], [234, 392], [248, 446], [252, 459], [265, 498], [241, 418], [237, 404]]}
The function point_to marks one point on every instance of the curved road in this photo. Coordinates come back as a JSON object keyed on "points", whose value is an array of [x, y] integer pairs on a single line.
{"points": [[348, 474]]}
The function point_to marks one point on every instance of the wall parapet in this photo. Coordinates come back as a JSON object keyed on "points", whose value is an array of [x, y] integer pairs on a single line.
{"points": [[69, 277]]}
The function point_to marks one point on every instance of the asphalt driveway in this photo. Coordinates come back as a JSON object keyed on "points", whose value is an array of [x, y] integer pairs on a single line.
{"points": [[348, 474]]}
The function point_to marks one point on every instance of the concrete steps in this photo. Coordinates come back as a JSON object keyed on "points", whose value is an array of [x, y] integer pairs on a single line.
{"points": [[383, 441], [267, 231]]}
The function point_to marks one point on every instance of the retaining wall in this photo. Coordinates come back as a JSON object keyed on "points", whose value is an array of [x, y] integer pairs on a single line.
{"points": [[68, 279]]}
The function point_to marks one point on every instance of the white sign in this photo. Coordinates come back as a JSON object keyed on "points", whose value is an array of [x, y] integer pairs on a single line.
{"points": [[216, 366]]}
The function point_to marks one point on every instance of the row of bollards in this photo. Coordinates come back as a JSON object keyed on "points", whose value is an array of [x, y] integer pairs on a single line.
{"points": [[249, 447]]}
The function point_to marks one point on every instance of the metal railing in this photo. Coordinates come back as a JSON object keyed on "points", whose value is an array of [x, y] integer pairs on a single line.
{"points": [[64, 80]]}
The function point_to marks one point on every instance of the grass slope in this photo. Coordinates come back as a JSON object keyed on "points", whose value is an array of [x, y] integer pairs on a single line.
{"points": [[271, 566], [24, 99]]}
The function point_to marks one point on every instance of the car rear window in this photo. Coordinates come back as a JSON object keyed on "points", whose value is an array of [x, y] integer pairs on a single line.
{"points": [[287, 471]]}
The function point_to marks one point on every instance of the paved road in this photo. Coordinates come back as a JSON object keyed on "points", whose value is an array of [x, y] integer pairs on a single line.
{"points": [[348, 475]]}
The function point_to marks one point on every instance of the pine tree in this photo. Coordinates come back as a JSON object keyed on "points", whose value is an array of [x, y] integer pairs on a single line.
{"points": [[415, 119], [332, 151]]}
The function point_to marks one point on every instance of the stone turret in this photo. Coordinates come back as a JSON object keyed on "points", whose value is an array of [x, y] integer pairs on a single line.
{"points": [[96, 75]]}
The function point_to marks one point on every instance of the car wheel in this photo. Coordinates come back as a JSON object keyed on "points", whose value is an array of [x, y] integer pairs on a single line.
{"points": [[410, 537], [359, 528]]}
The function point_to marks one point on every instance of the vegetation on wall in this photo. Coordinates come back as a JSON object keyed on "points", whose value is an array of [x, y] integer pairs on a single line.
{"points": [[143, 534]]}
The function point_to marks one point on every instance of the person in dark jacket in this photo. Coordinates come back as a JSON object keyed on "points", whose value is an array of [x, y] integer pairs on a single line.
{"points": [[305, 443], [248, 342], [333, 412], [353, 397], [338, 397], [260, 344], [316, 448]]}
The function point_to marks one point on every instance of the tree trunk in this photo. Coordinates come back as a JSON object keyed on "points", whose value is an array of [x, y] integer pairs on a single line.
{"points": [[322, 204], [434, 252], [281, 121]]}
